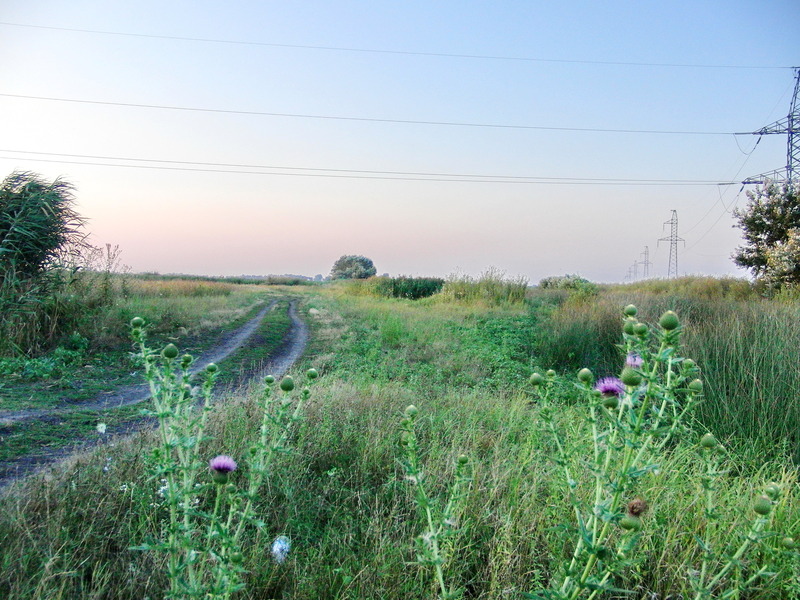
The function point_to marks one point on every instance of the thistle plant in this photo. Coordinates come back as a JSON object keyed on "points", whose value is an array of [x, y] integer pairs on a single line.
{"points": [[726, 573], [631, 417], [433, 545], [203, 537]]}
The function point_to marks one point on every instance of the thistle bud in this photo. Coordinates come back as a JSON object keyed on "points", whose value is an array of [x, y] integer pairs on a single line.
{"points": [[211, 367], [312, 374], [411, 411], [708, 441], [696, 386], [630, 377], [762, 505], [186, 360], [170, 351], [537, 379], [287, 384], [463, 459], [630, 310], [585, 375], [550, 373], [628, 326], [610, 402], [137, 322], [640, 329], [630, 523], [669, 321], [269, 380], [773, 490]]}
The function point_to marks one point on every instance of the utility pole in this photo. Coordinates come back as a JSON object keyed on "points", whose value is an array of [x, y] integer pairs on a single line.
{"points": [[790, 126], [673, 239]]}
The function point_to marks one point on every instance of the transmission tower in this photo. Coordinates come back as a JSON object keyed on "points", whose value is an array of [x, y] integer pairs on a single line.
{"points": [[673, 239], [790, 126], [646, 264]]}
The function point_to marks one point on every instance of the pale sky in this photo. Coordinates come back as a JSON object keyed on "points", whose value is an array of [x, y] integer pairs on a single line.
{"points": [[432, 137]]}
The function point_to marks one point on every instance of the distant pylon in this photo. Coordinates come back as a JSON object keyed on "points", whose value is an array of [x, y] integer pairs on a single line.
{"points": [[673, 239], [646, 262]]}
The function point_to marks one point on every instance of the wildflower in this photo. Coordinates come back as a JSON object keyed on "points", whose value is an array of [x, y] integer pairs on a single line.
{"points": [[280, 548], [221, 467], [633, 360], [610, 386], [101, 428]]}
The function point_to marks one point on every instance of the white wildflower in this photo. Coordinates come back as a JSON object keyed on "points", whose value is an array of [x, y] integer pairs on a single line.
{"points": [[280, 548], [101, 428]]}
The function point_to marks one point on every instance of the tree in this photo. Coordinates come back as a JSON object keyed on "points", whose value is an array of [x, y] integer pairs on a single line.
{"points": [[37, 224], [771, 229], [353, 267]]}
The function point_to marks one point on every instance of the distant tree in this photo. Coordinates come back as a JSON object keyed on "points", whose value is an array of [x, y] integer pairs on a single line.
{"points": [[771, 229], [353, 267], [38, 224]]}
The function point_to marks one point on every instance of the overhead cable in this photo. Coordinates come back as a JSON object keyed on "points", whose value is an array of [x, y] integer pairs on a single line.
{"points": [[397, 52]]}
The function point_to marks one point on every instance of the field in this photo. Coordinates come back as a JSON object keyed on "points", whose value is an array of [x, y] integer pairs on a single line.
{"points": [[450, 447]]}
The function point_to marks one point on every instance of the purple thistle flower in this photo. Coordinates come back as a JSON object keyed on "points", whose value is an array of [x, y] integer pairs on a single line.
{"points": [[633, 360], [221, 466], [610, 386]]}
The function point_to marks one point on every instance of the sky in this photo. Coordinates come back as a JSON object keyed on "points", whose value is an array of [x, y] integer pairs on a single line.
{"points": [[436, 138]]}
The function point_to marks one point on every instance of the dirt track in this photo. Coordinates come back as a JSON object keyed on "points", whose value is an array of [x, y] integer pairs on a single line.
{"points": [[277, 364]]}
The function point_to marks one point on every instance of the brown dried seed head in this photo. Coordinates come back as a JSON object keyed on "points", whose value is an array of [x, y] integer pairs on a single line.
{"points": [[637, 507]]}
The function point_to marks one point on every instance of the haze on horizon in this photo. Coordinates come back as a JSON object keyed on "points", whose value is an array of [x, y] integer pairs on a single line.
{"points": [[272, 137]]}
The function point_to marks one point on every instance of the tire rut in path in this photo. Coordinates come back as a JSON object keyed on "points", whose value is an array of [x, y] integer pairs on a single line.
{"points": [[277, 364]]}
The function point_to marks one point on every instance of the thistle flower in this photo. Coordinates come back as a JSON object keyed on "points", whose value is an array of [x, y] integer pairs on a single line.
{"points": [[221, 467], [633, 360], [280, 548], [610, 386]]}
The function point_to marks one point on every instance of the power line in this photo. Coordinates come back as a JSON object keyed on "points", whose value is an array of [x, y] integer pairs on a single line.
{"points": [[366, 119], [360, 171], [396, 52], [343, 173]]}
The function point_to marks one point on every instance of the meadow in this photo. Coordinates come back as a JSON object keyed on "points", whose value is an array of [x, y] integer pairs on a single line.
{"points": [[452, 446]]}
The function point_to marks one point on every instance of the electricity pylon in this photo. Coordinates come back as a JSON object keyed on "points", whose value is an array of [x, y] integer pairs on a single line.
{"points": [[673, 239], [790, 126], [646, 262]]}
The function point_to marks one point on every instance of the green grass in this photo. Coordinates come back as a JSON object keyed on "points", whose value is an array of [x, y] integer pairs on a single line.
{"points": [[341, 494]]}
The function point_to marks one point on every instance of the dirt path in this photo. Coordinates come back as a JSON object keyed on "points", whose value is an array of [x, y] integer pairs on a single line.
{"points": [[277, 364]]}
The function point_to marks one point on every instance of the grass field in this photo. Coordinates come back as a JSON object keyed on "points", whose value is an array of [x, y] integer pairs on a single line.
{"points": [[345, 485]]}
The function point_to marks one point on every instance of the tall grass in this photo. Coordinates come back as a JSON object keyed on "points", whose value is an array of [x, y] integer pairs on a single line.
{"points": [[491, 288], [746, 348]]}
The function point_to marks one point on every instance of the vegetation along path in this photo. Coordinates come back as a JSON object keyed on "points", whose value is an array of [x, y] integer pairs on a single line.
{"points": [[278, 361]]}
